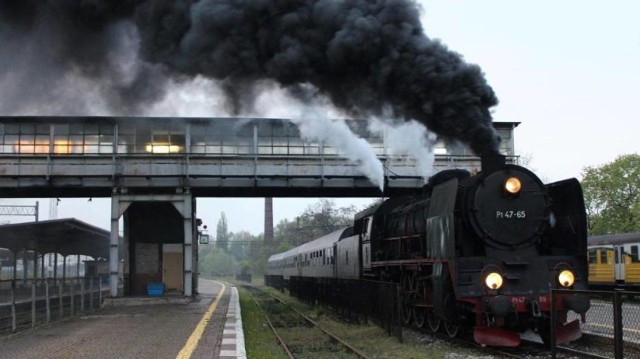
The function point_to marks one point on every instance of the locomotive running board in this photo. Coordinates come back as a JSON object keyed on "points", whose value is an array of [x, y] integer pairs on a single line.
{"points": [[496, 337]]}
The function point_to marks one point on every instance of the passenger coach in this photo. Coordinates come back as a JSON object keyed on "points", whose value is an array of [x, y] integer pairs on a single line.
{"points": [[614, 261]]}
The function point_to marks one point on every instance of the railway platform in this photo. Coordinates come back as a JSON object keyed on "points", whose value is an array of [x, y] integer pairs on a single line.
{"points": [[209, 326]]}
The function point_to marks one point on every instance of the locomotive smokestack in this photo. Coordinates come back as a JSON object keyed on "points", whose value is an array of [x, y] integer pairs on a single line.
{"points": [[489, 162]]}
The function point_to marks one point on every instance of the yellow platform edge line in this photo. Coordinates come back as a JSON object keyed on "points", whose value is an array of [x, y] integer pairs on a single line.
{"points": [[192, 342]]}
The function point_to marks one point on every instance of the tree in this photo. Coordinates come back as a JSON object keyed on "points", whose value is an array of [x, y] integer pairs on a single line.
{"points": [[526, 160], [240, 244], [317, 220], [215, 262], [222, 233], [612, 195]]}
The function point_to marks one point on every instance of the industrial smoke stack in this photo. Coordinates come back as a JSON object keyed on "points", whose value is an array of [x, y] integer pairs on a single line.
{"points": [[268, 221]]}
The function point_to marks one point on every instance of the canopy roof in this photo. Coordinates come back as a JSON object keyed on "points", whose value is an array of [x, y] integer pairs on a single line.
{"points": [[67, 236]]}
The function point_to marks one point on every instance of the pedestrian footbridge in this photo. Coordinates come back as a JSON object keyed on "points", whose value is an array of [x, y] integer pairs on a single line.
{"points": [[230, 157]]}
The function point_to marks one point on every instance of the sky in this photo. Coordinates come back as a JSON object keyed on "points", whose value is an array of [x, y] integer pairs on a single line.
{"points": [[566, 70]]}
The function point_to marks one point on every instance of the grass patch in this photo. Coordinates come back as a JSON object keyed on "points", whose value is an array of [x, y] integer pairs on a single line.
{"points": [[260, 342], [370, 339]]}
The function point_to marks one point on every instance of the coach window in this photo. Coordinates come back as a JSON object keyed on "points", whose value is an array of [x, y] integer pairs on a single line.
{"points": [[603, 257], [634, 254], [593, 258]]}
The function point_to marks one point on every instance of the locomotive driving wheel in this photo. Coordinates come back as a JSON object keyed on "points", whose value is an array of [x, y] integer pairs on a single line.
{"points": [[452, 328], [419, 316], [420, 313], [433, 321], [408, 292]]}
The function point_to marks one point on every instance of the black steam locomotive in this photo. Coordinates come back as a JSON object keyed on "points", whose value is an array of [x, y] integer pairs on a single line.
{"points": [[479, 252]]}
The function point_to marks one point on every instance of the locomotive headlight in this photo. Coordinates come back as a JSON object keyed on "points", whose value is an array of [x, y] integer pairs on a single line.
{"points": [[566, 278], [493, 280], [513, 185]]}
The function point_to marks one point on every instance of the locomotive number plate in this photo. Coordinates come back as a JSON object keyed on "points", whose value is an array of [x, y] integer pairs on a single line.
{"points": [[511, 214], [523, 300]]}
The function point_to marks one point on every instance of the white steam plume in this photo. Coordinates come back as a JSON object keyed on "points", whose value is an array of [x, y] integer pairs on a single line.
{"points": [[314, 120], [408, 139]]}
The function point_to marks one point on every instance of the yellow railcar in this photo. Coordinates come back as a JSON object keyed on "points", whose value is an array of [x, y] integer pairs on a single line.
{"points": [[614, 261]]}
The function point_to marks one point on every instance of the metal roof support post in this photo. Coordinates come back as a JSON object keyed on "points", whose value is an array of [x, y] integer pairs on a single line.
{"points": [[25, 267], [13, 293], [81, 294], [55, 268], [47, 302], [15, 267], [33, 304], [188, 244], [13, 305], [113, 251], [61, 300], [35, 266]]}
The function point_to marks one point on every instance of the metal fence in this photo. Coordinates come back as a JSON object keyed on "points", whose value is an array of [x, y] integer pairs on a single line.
{"points": [[356, 300], [611, 326], [27, 303]]}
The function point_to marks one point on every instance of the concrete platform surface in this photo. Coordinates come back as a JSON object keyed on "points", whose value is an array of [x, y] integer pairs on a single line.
{"points": [[155, 329]]}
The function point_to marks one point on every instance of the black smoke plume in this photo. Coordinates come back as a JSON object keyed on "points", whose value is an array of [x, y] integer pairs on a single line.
{"points": [[368, 57]]}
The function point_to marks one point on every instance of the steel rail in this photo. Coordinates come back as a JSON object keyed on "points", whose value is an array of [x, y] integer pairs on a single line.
{"points": [[355, 351], [349, 347], [273, 329]]}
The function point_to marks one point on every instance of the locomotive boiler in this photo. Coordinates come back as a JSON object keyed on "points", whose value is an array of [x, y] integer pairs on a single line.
{"points": [[479, 252]]}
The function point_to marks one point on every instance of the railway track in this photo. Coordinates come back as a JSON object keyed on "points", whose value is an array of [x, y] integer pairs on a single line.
{"points": [[317, 340], [588, 347]]}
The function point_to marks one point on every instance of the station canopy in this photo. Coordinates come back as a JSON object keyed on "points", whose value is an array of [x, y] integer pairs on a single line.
{"points": [[64, 236]]}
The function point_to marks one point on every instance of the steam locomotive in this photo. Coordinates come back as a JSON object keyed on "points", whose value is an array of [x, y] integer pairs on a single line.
{"points": [[480, 252]]}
